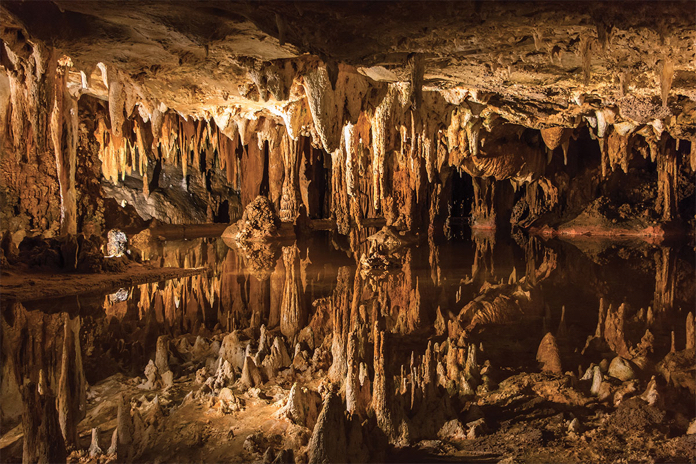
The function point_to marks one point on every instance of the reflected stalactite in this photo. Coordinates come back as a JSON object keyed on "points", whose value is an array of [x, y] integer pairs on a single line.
{"points": [[483, 269], [293, 313], [665, 280], [340, 307]]}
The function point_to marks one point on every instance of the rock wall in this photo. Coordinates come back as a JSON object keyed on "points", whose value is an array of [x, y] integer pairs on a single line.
{"points": [[347, 141]]}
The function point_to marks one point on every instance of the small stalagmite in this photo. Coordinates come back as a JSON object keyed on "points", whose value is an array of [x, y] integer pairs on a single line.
{"points": [[94, 448], [251, 376], [548, 355]]}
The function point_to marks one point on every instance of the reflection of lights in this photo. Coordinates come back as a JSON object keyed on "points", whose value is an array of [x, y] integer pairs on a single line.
{"points": [[120, 295]]}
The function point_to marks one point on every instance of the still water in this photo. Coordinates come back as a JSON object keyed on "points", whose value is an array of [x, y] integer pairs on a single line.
{"points": [[299, 286]]}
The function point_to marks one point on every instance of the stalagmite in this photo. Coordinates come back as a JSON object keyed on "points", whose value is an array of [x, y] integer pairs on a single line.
{"points": [[548, 355], [94, 449], [328, 443], [614, 332], [251, 377], [162, 354], [124, 432], [437, 125]]}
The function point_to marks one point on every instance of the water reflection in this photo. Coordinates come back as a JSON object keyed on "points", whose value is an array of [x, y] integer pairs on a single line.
{"points": [[508, 291]]}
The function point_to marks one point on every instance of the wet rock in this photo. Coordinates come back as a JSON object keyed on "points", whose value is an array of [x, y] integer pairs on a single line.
{"points": [[258, 223], [548, 355], [621, 369], [116, 243], [388, 240]]}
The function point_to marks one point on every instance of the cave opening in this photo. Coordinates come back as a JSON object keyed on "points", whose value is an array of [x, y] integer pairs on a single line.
{"points": [[462, 197], [347, 232]]}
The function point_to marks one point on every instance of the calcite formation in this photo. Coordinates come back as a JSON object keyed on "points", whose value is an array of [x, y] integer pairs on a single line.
{"points": [[133, 134], [387, 129]]}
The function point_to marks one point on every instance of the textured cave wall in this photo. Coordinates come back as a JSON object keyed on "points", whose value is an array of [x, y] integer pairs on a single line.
{"points": [[550, 131]]}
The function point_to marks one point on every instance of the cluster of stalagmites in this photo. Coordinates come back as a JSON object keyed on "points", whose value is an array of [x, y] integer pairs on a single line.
{"points": [[363, 403]]}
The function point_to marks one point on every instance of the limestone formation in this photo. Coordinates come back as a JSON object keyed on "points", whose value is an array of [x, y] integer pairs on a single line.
{"points": [[420, 206]]}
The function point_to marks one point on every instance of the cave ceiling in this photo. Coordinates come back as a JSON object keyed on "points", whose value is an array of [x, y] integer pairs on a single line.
{"points": [[538, 64]]}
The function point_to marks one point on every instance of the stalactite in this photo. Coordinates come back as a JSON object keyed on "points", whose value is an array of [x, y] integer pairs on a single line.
{"points": [[380, 139], [64, 113], [324, 106], [116, 101], [617, 151], [585, 52], [39, 74], [416, 64], [666, 78], [290, 195], [665, 284], [18, 102]]}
